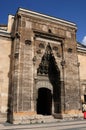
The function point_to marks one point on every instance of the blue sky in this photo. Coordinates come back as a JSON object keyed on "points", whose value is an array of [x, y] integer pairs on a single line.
{"points": [[71, 10]]}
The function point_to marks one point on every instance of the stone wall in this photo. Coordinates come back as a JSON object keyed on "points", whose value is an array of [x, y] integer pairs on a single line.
{"points": [[5, 54], [72, 85], [82, 72], [32, 36], [43, 54]]}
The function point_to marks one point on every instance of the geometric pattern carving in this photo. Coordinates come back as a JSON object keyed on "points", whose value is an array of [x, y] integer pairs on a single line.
{"points": [[44, 65], [28, 42], [69, 50], [41, 45]]}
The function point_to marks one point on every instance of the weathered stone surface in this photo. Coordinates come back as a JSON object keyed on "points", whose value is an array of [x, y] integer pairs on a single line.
{"points": [[39, 71]]}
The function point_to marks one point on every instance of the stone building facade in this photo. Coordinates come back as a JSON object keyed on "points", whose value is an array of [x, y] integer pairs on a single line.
{"points": [[42, 70]]}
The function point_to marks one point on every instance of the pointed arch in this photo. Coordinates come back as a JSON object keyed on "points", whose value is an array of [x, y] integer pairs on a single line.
{"points": [[48, 67], [44, 65]]}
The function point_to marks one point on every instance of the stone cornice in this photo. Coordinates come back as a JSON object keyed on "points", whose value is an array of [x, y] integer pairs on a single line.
{"points": [[4, 33], [81, 50], [48, 18]]}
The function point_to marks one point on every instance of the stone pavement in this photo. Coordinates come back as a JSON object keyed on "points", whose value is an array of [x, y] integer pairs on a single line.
{"points": [[60, 125]]}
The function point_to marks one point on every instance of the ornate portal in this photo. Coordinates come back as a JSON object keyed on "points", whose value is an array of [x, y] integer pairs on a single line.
{"points": [[42, 75]]}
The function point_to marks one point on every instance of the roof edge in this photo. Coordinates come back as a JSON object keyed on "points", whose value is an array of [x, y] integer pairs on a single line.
{"points": [[48, 17]]}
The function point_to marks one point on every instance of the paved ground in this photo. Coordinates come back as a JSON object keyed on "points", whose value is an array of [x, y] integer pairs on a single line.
{"points": [[62, 125]]}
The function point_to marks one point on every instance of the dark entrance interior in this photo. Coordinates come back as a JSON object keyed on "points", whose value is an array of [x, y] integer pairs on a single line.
{"points": [[84, 98], [44, 102]]}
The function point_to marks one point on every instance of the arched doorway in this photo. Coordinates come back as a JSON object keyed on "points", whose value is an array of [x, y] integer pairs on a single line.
{"points": [[48, 68], [44, 101]]}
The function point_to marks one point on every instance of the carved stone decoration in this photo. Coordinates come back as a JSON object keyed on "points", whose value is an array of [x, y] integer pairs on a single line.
{"points": [[39, 80], [41, 45], [70, 50], [63, 62], [28, 42], [17, 35], [55, 48], [38, 51], [58, 55], [44, 65], [16, 55], [34, 59]]}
